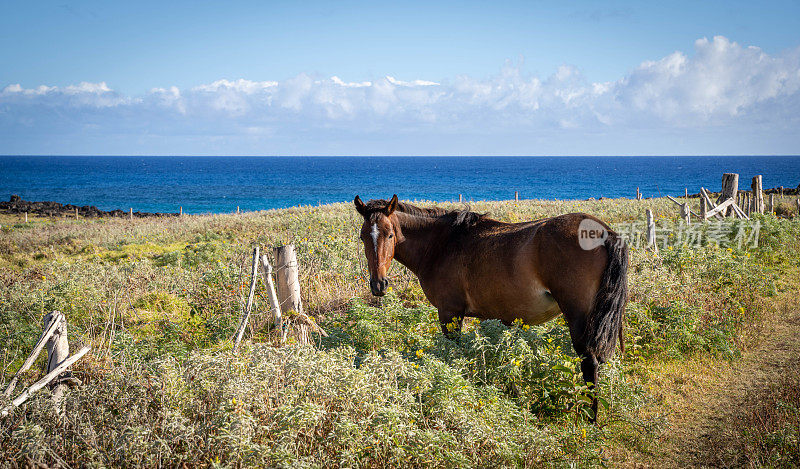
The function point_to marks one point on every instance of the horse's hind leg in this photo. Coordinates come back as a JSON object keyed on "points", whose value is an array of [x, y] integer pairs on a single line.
{"points": [[576, 320], [451, 324], [589, 367]]}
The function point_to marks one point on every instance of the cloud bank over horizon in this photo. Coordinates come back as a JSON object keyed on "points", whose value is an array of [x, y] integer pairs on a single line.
{"points": [[724, 99]]}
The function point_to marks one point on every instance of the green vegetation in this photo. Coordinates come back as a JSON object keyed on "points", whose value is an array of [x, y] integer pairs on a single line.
{"points": [[159, 299]]}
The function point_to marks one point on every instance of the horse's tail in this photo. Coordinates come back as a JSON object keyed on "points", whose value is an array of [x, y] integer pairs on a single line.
{"points": [[604, 323]]}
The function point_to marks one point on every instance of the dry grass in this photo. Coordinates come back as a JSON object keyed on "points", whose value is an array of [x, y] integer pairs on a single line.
{"points": [[158, 300]]}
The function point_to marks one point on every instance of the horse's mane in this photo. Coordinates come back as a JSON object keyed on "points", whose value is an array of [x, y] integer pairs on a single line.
{"points": [[456, 218]]}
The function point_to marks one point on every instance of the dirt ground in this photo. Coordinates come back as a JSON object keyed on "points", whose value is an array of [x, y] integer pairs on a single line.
{"points": [[716, 408]]}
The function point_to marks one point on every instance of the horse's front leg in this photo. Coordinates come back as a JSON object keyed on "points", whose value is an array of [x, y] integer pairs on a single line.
{"points": [[451, 323]]}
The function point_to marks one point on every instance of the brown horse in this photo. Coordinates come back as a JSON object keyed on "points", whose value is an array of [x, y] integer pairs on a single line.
{"points": [[471, 265]]}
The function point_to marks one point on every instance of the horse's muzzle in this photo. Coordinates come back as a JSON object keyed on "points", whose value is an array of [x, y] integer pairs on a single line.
{"points": [[378, 287]]}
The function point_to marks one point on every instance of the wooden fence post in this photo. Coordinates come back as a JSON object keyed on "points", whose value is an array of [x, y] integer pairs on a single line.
{"points": [[49, 329], [181, 211], [76, 213], [286, 272], [685, 214], [131, 213], [460, 199], [781, 191], [249, 305], [516, 196], [26, 217], [758, 194], [44, 381], [771, 204], [798, 206], [730, 186], [57, 353], [651, 231], [747, 204], [54, 336], [237, 210], [703, 209], [638, 194], [686, 193]]}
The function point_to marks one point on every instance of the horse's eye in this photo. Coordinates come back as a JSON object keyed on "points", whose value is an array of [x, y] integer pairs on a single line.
{"points": [[390, 236]]}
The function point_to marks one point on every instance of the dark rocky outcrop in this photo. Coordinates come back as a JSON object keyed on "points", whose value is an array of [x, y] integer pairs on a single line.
{"points": [[55, 209]]}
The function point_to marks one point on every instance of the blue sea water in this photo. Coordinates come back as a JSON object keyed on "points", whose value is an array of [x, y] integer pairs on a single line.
{"points": [[219, 184]]}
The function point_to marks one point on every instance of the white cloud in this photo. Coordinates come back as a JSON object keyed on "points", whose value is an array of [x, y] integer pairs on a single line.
{"points": [[722, 85]]}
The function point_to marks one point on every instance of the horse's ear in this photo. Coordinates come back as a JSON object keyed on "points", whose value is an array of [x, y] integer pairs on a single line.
{"points": [[362, 209], [391, 206]]}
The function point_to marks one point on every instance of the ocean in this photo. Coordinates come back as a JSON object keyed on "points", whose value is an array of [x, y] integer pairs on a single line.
{"points": [[220, 184]]}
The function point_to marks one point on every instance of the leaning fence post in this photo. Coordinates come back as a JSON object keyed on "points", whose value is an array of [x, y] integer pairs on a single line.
{"points": [[50, 328], [54, 336], [249, 306], [273, 298], [44, 381]]}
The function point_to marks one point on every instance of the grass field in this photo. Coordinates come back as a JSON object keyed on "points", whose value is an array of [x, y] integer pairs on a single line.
{"points": [[159, 299]]}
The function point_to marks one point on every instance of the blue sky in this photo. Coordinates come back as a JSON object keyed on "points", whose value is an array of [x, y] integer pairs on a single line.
{"points": [[399, 77]]}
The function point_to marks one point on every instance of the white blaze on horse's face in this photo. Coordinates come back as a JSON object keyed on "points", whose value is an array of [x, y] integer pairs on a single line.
{"points": [[374, 234]]}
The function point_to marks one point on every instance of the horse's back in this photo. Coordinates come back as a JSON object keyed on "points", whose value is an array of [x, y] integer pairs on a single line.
{"points": [[512, 269]]}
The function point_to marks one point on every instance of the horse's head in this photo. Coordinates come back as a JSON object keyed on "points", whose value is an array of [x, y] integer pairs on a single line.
{"points": [[380, 234]]}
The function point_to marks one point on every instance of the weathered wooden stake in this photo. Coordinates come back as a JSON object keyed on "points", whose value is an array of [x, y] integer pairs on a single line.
{"points": [[273, 298], [781, 191], [57, 353], [703, 209], [651, 231], [685, 214], [286, 270], [76, 213], [249, 306], [747, 204], [771, 204], [286, 273], [131, 213], [638, 194], [798, 206], [730, 185], [50, 328], [758, 194], [686, 193], [460, 199], [181, 211], [516, 196], [237, 210], [26, 217]]}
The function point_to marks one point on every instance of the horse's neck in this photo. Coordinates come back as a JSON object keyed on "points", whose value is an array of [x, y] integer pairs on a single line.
{"points": [[421, 234]]}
